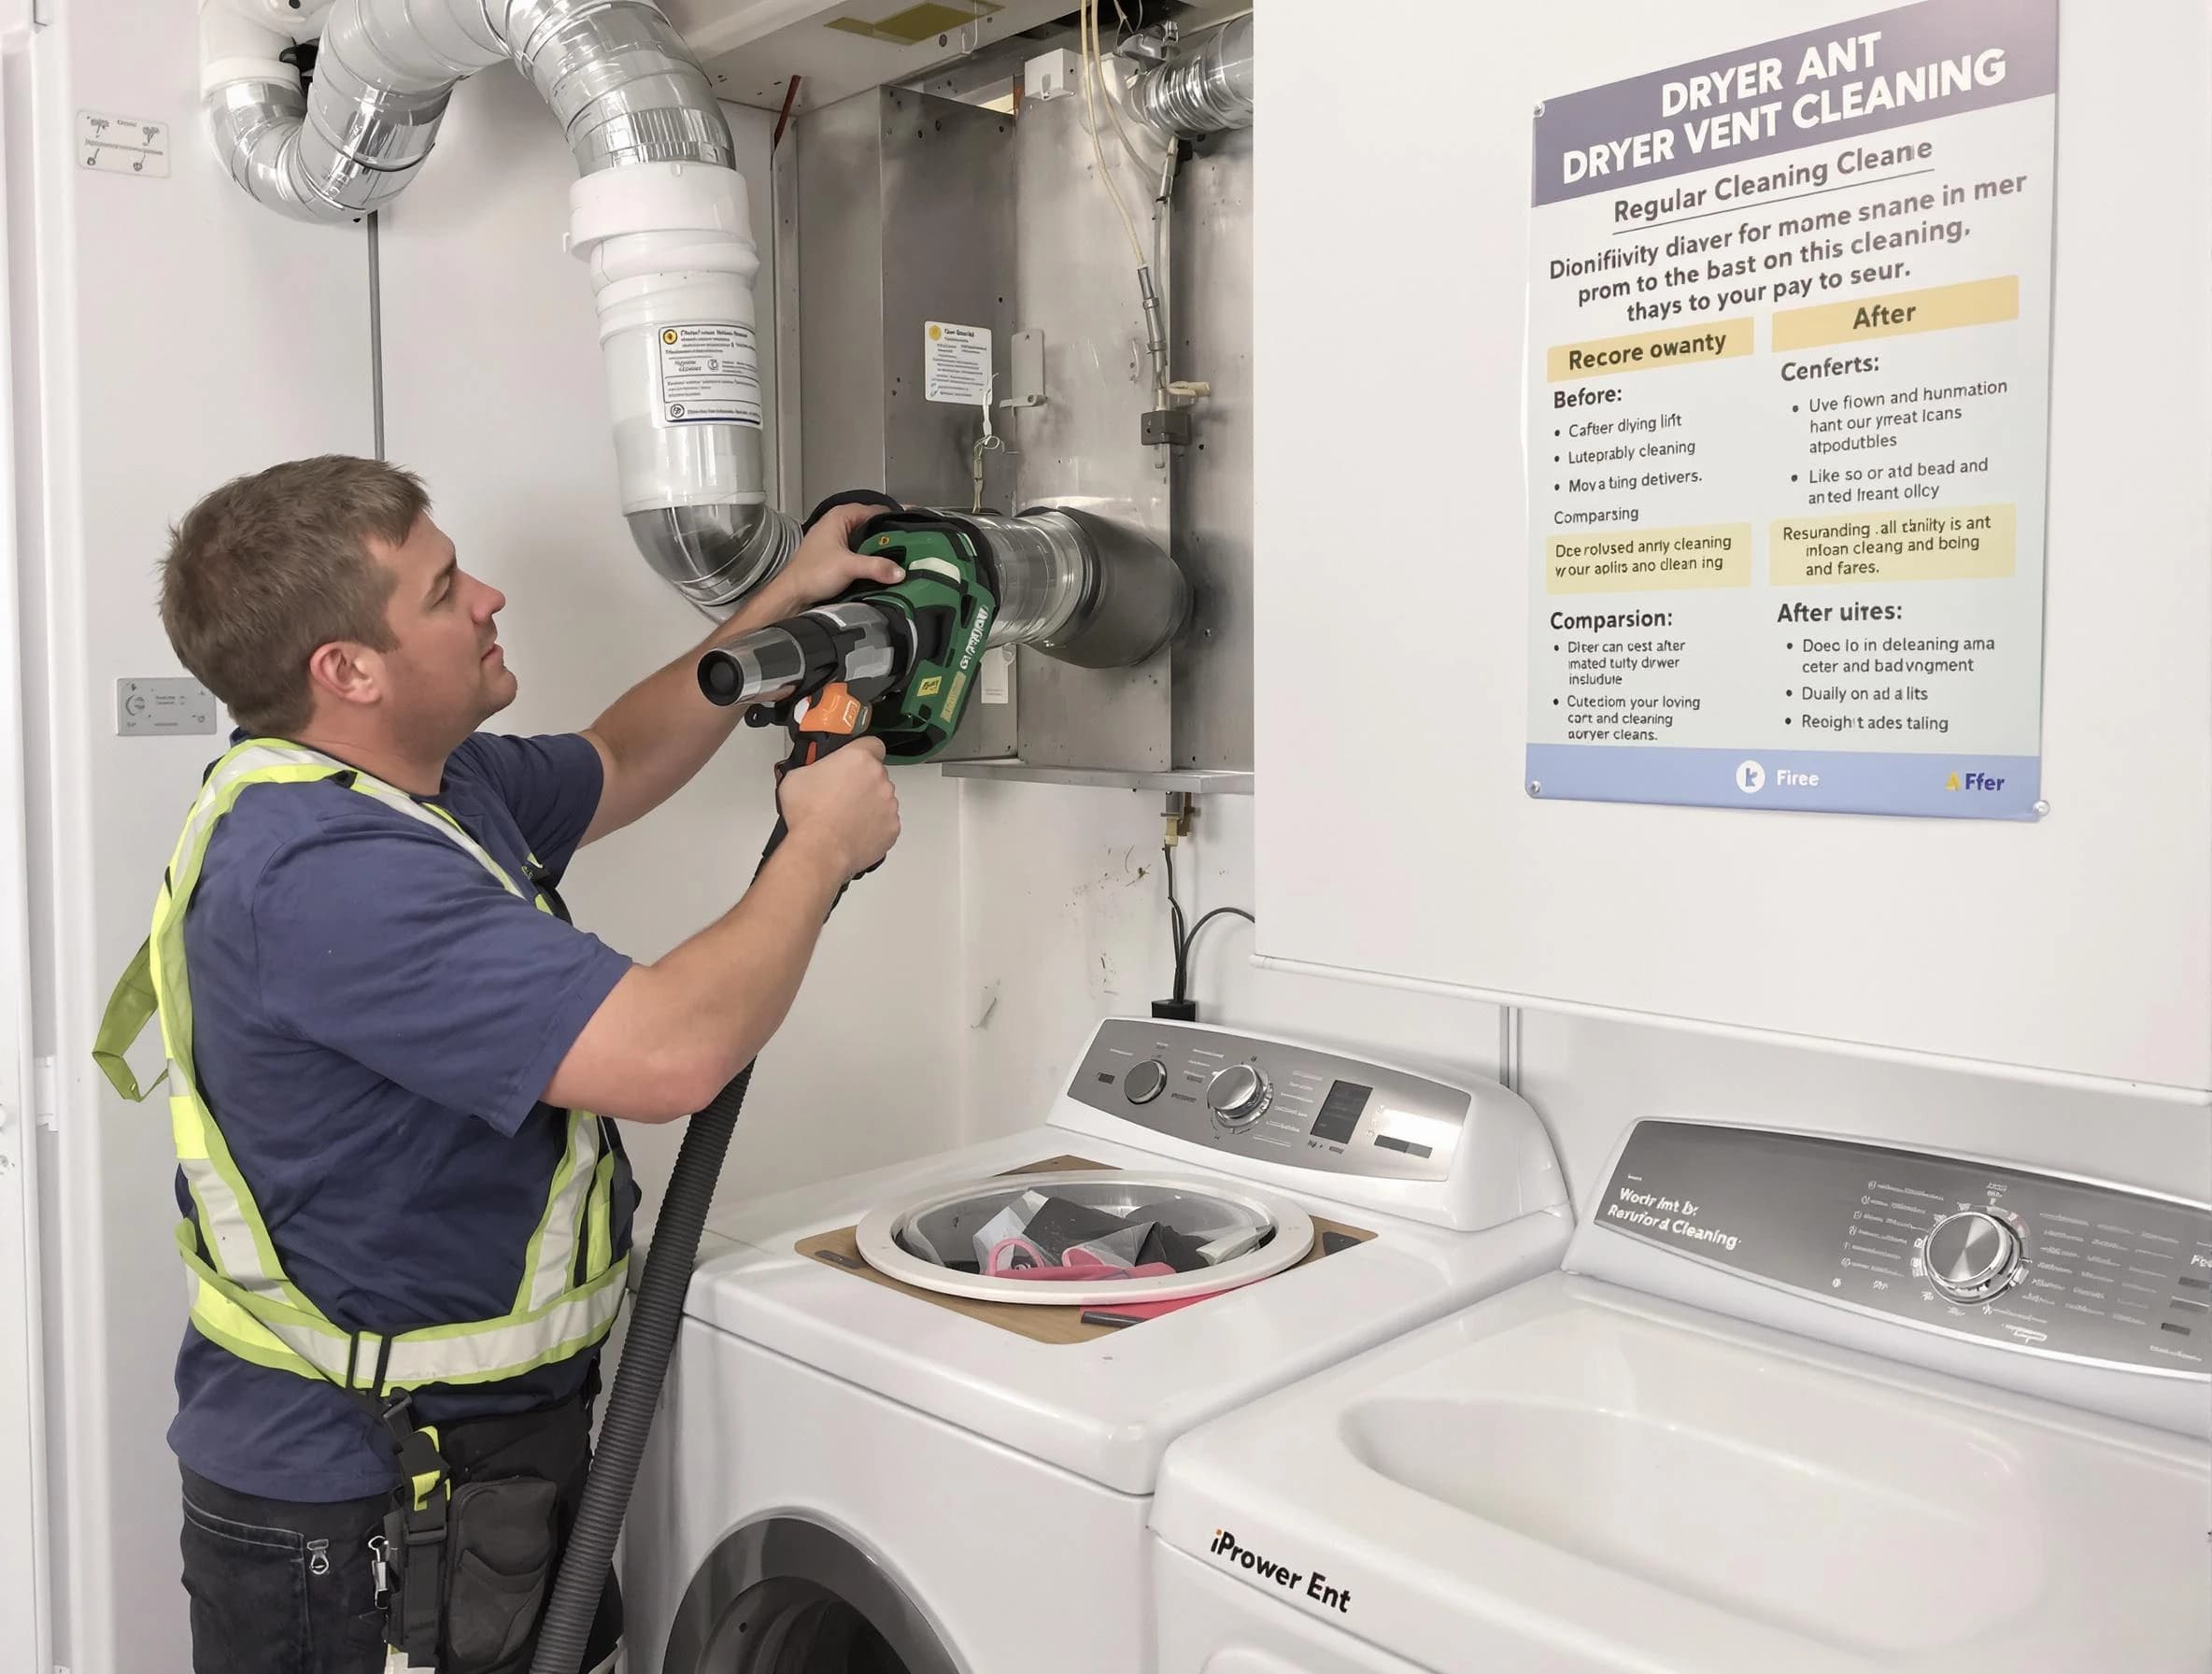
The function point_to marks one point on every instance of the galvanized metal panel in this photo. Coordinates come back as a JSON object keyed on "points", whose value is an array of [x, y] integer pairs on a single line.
{"points": [[912, 208], [840, 229], [948, 255], [1077, 282], [785, 272], [905, 212], [1209, 327]]}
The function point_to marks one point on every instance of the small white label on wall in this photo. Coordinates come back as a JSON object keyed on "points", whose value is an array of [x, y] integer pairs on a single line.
{"points": [[956, 363], [709, 375], [170, 705], [122, 145], [997, 685]]}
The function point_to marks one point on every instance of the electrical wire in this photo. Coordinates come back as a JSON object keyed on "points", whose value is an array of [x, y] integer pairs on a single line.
{"points": [[1143, 165], [1093, 74], [1174, 916], [1183, 953]]}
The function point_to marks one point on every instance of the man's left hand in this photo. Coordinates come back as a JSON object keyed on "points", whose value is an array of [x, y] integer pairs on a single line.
{"points": [[825, 565]]}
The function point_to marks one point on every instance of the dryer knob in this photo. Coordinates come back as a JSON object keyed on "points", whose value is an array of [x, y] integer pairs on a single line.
{"points": [[1972, 1256], [1145, 1083], [1238, 1095]]}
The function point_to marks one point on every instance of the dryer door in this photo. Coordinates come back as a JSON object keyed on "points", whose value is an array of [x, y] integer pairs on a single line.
{"points": [[790, 1596]]}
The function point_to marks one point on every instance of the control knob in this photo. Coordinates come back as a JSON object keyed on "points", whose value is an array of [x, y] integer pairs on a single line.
{"points": [[1144, 1083], [1238, 1096], [1972, 1256]]}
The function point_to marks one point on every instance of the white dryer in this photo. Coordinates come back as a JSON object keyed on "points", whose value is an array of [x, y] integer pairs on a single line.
{"points": [[866, 1468], [1797, 1403]]}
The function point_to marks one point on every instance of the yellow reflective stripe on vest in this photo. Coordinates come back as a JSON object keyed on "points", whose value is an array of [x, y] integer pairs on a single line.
{"points": [[241, 1297], [289, 1339], [549, 1267], [601, 1253]]}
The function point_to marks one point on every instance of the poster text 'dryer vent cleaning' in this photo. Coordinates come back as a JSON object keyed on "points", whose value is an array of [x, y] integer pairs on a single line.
{"points": [[1789, 349]]}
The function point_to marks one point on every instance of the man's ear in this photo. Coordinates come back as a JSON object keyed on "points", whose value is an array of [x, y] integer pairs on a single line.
{"points": [[348, 672]]}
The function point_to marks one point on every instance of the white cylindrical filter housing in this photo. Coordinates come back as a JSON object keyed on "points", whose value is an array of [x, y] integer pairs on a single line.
{"points": [[673, 260]]}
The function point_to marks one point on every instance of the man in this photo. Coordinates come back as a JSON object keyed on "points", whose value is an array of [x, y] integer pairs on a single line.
{"points": [[406, 1221]]}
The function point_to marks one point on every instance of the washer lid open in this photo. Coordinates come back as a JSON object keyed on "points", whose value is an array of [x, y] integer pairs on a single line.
{"points": [[911, 1238]]}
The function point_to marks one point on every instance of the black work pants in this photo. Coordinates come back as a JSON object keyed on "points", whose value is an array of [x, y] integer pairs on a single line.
{"points": [[279, 1587], [284, 1588]]}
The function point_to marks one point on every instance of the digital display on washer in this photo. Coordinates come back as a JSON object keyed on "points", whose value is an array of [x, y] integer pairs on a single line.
{"points": [[1340, 1112]]}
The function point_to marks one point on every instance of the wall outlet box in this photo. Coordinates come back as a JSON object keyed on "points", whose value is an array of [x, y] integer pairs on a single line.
{"points": [[1053, 74]]}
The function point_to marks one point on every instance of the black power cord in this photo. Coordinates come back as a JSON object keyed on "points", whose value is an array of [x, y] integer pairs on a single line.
{"points": [[1181, 1008], [1183, 960]]}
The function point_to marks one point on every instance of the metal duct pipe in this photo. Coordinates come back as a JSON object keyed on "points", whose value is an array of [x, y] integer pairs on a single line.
{"points": [[659, 213], [1202, 91], [1081, 588], [1074, 586]]}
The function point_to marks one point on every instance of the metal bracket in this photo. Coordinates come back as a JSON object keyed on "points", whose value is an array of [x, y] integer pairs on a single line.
{"points": [[1166, 427], [1025, 371]]}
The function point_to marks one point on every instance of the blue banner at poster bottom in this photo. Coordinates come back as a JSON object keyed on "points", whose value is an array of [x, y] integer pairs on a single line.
{"points": [[1808, 781]]}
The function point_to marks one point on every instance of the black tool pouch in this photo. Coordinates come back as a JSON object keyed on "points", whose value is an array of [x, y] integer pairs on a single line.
{"points": [[474, 1563], [502, 1537]]}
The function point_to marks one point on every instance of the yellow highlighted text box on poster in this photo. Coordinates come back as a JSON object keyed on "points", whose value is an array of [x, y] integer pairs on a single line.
{"points": [[1963, 543], [1678, 345], [1979, 302], [1638, 560]]}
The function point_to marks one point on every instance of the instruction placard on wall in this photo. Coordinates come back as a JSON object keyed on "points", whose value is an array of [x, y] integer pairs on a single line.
{"points": [[955, 363], [1788, 367], [710, 373]]}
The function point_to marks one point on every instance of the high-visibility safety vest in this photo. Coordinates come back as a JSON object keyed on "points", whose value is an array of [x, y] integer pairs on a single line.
{"points": [[241, 1297]]}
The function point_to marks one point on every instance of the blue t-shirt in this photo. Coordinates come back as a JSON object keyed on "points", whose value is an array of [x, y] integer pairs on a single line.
{"points": [[374, 1019]]}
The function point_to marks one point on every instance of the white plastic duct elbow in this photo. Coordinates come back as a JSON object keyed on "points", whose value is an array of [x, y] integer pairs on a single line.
{"points": [[673, 261], [659, 213]]}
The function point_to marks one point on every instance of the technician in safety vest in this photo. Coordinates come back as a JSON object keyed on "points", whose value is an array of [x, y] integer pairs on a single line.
{"points": [[406, 1227]]}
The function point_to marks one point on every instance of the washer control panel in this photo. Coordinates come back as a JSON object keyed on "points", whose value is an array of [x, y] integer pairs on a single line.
{"points": [[1286, 1104], [2032, 1261]]}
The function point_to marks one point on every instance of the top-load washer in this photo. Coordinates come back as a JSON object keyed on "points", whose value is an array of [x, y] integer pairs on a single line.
{"points": [[1797, 1403], [870, 1461]]}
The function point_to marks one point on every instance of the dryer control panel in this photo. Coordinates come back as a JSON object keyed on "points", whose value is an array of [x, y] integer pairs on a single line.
{"points": [[2039, 1262], [1291, 1105]]}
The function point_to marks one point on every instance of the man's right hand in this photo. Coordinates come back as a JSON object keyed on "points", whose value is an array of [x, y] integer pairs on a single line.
{"points": [[844, 807]]}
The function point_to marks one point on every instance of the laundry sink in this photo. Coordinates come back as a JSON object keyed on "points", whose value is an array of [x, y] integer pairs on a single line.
{"points": [[1846, 1508]]}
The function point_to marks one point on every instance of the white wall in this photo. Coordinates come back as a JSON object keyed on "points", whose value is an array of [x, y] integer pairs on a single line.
{"points": [[166, 334], [23, 1569], [493, 391], [1062, 929]]}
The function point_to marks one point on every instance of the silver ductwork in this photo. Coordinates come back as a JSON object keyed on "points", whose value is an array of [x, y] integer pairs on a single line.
{"points": [[659, 212], [1203, 89], [1081, 588]]}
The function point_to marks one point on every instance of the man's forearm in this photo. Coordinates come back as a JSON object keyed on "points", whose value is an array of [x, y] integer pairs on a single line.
{"points": [[672, 1033], [654, 737]]}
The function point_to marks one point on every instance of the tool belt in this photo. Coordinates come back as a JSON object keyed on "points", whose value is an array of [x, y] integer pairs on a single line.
{"points": [[476, 1528]]}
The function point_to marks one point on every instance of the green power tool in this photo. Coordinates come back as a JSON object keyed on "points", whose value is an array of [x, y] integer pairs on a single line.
{"points": [[895, 663]]}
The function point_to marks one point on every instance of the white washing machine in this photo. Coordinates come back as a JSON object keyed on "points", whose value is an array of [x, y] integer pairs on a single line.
{"points": [[884, 1466], [1797, 1403]]}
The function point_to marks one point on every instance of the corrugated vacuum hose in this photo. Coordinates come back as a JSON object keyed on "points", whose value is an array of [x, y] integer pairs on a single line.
{"points": [[657, 1314]]}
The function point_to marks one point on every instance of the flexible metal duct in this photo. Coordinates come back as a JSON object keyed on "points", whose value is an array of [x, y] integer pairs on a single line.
{"points": [[659, 212], [1204, 90]]}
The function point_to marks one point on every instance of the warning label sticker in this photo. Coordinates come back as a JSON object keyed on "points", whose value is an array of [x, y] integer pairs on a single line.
{"points": [[955, 363], [709, 375]]}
